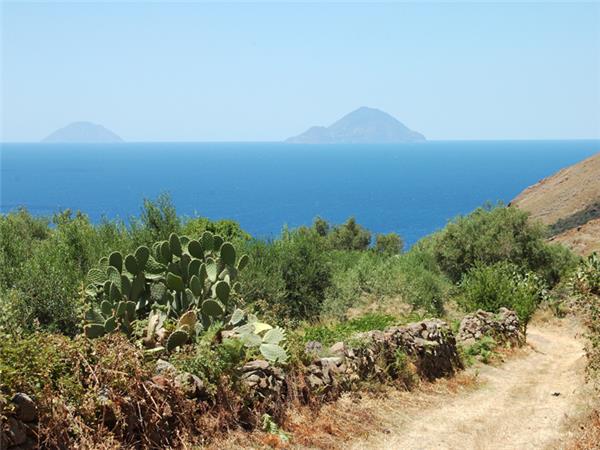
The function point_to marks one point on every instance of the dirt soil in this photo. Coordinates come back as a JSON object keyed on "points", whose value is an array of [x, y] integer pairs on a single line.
{"points": [[527, 403]]}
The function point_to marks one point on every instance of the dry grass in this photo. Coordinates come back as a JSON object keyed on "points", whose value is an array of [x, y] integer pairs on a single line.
{"points": [[352, 416], [588, 435]]}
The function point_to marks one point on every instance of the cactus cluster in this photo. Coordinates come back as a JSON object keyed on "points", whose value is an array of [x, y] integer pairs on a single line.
{"points": [[120, 288], [180, 278]]}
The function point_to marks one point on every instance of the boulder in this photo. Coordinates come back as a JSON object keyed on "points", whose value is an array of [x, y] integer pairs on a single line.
{"points": [[26, 410]]}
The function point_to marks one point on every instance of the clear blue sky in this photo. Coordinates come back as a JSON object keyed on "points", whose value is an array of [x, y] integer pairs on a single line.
{"points": [[237, 72]]}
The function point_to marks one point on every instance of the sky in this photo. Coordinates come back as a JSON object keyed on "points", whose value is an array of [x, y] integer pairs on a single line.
{"points": [[194, 71]]}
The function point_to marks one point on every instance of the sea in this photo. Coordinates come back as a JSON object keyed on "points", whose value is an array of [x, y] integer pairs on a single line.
{"points": [[412, 189]]}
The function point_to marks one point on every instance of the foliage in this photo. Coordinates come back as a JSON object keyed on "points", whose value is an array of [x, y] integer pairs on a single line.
{"points": [[19, 234], [401, 280], [585, 285], [388, 244], [157, 221], [502, 285], [289, 276], [228, 229], [336, 332], [482, 350], [349, 236], [493, 234], [38, 361]]}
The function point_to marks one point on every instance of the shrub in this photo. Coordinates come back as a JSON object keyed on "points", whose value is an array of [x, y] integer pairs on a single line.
{"points": [[228, 229], [19, 235], [388, 244], [501, 285], [492, 234], [50, 290], [157, 221], [349, 236], [332, 333]]}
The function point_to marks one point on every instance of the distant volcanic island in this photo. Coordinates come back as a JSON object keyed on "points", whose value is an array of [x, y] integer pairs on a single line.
{"points": [[83, 132], [363, 126]]}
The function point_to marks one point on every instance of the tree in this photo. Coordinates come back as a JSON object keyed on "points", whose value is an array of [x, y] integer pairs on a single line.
{"points": [[349, 236], [388, 244]]}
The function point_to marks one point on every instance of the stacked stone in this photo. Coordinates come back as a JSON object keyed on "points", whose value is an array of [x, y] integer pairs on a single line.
{"points": [[430, 344], [264, 381], [18, 431], [503, 327]]}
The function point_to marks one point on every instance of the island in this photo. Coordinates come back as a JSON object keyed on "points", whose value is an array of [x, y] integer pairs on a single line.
{"points": [[83, 132], [362, 126]]}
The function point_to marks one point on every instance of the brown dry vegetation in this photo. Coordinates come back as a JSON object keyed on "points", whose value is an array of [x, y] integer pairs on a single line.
{"points": [[568, 202], [583, 240], [563, 194]]}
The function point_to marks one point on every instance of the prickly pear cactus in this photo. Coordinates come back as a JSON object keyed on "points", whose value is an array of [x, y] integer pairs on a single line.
{"points": [[175, 277]]}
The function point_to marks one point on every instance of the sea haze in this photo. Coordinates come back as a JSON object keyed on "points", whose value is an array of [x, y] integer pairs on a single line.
{"points": [[412, 189]]}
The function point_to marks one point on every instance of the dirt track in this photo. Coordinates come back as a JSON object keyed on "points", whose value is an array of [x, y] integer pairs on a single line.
{"points": [[516, 408]]}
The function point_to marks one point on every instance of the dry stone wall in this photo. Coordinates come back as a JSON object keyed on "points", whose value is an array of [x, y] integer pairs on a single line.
{"points": [[429, 346], [504, 327]]}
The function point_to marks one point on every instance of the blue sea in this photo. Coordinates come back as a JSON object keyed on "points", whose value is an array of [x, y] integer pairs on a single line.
{"points": [[412, 189]]}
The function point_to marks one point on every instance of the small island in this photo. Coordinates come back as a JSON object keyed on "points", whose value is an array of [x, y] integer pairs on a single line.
{"points": [[83, 132], [362, 126]]}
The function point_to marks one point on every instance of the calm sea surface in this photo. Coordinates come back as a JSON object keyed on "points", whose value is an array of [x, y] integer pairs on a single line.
{"points": [[412, 189]]}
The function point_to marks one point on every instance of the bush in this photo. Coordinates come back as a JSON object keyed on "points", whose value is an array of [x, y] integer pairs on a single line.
{"points": [[493, 234], [501, 285], [288, 277], [157, 221], [19, 235], [390, 282], [388, 244], [50, 290], [228, 229], [330, 334], [349, 236]]}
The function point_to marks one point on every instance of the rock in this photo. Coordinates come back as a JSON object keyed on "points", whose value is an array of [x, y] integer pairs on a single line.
{"points": [[16, 432], [258, 364], [165, 368], [313, 348], [25, 407], [191, 385], [503, 327], [339, 348]]}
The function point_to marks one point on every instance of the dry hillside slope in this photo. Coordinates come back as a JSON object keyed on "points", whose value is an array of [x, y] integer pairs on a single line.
{"points": [[568, 202]]}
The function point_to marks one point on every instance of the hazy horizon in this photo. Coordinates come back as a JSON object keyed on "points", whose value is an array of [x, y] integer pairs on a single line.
{"points": [[196, 72]]}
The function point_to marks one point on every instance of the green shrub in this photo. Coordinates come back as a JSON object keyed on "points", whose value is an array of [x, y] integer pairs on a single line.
{"points": [[157, 221], [388, 244], [349, 236], [482, 350], [493, 234], [50, 290], [502, 285], [228, 229], [37, 361], [288, 277], [340, 331], [19, 235]]}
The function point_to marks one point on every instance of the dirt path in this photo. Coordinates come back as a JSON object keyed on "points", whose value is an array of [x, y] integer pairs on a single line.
{"points": [[516, 408]]}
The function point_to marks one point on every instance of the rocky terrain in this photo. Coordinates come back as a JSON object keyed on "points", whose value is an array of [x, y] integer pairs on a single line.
{"points": [[569, 203]]}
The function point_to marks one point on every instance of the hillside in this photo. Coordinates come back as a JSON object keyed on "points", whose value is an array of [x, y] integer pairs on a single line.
{"points": [[569, 203], [79, 132], [364, 125]]}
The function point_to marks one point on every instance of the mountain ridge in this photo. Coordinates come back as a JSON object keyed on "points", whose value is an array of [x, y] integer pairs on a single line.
{"points": [[364, 125], [82, 132]]}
